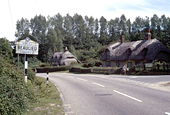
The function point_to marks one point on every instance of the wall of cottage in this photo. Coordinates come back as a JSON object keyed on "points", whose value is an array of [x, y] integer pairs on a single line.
{"points": [[114, 63], [129, 63]]}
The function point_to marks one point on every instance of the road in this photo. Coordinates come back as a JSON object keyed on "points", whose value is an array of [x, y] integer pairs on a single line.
{"points": [[85, 94]]}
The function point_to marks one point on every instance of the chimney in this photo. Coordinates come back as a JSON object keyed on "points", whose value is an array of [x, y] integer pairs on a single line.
{"points": [[148, 35], [66, 49], [122, 37]]}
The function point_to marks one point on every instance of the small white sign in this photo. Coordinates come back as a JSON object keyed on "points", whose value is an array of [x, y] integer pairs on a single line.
{"points": [[27, 46], [148, 64], [26, 64]]}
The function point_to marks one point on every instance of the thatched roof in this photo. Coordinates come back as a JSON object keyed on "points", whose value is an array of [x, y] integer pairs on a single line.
{"points": [[121, 52], [57, 55], [148, 50], [137, 50], [64, 58], [67, 54]]}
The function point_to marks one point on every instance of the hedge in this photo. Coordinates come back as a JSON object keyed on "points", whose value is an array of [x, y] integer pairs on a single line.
{"points": [[51, 69], [14, 94], [93, 70], [80, 70]]}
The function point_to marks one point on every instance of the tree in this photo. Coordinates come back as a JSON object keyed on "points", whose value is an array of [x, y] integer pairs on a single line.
{"points": [[54, 41], [39, 28], [5, 49], [79, 31], [111, 30], [164, 22], [155, 22], [23, 27], [122, 23], [68, 30], [57, 21], [129, 25], [96, 29], [103, 39]]}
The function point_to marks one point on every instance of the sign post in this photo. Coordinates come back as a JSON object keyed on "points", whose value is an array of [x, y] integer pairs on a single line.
{"points": [[26, 68], [27, 47]]}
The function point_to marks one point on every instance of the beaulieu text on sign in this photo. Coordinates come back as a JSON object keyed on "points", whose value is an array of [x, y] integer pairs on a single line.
{"points": [[27, 46]]}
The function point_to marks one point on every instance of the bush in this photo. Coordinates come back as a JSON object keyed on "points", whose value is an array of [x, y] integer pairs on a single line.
{"points": [[92, 62], [14, 94], [80, 70], [31, 75], [5, 49], [52, 69]]}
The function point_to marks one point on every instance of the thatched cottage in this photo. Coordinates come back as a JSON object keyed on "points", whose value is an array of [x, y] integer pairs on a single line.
{"points": [[64, 58], [135, 53]]}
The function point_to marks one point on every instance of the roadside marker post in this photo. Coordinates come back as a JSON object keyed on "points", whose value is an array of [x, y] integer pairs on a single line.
{"points": [[47, 78]]}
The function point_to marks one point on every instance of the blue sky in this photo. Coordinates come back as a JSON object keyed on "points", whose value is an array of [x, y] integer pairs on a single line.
{"points": [[13, 10]]}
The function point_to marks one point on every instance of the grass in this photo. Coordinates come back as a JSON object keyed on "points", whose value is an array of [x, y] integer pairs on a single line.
{"points": [[166, 84], [48, 101]]}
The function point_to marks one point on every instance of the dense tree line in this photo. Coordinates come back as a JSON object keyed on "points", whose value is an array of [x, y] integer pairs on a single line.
{"points": [[85, 36]]}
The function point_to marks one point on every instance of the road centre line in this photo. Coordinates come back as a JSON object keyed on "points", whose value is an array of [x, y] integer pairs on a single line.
{"points": [[67, 105], [82, 79], [98, 84], [68, 113], [167, 113], [127, 96]]}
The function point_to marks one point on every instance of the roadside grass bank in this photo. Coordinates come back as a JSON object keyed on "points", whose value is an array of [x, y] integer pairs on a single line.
{"points": [[165, 85], [48, 101]]}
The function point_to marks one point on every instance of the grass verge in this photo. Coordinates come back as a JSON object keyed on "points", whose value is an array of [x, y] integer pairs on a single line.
{"points": [[48, 101]]}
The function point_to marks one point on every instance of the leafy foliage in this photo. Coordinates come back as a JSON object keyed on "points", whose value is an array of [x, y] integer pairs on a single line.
{"points": [[14, 94], [5, 49]]}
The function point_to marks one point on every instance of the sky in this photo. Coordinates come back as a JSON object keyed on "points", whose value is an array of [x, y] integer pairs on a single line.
{"points": [[13, 10]]}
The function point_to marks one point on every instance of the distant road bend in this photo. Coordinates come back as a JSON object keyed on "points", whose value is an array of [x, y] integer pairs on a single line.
{"points": [[85, 94]]}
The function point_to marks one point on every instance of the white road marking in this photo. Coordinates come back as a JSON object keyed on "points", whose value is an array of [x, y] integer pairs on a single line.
{"points": [[67, 105], [133, 77], [68, 113], [127, 96], [61, 94], [167, 113], [82, 79], [98, 84]]}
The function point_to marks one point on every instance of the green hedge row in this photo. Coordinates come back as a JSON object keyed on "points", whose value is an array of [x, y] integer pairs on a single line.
{"points": [[14, 93], [80, 70], [51, 69], [93, 70]]}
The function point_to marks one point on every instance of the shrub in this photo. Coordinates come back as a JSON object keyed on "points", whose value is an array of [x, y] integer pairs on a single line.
{"points": [[5, 49], [31, 75], [92, 62], [52, 69], [14, 94]]}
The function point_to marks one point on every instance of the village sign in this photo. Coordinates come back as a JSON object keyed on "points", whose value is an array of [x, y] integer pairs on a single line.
{"points": [[27, 46]]}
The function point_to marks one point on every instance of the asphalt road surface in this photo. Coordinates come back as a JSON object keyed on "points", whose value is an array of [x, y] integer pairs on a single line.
{"points": [[85, 94]]}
